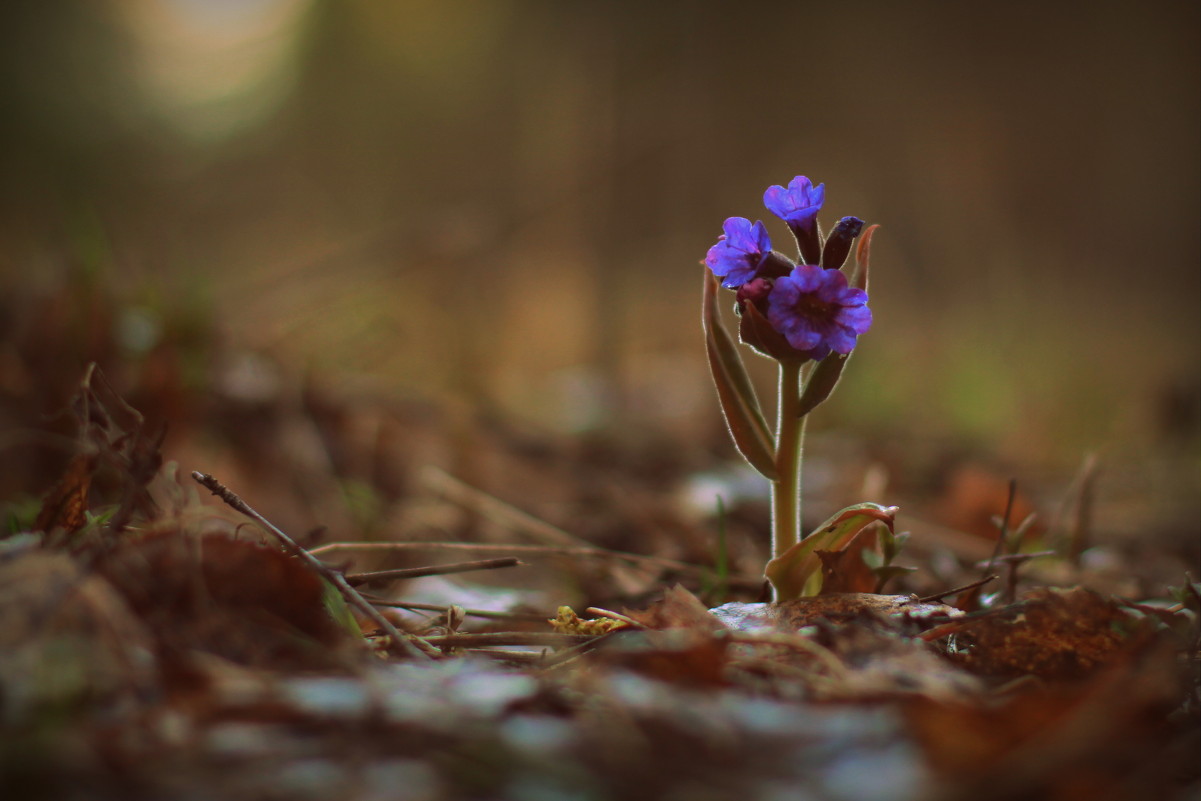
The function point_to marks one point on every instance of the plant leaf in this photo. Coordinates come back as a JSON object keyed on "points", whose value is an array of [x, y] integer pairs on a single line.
{"points": [[756, 332], [339, 610], [728, 351], [739, 405], [886, 573], [797, 571], [862, 257], [822, 382]]}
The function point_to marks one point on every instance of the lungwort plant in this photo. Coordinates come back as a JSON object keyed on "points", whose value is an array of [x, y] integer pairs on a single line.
{"points": [[807, 315]]}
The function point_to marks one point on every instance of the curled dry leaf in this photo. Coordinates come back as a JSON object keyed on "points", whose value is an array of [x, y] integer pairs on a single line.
{"points": [[66, 504], [678, 609], [682, 644], [796, 573], [844, 570], [566, 621]]}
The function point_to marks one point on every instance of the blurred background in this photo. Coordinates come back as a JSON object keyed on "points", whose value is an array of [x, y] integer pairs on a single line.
{"points": [[502, 205]]}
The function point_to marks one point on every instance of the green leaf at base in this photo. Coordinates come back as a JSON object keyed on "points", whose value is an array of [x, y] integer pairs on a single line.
{"points": [[797, 571]]}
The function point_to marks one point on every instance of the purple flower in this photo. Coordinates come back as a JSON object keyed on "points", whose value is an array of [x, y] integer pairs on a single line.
{"points": [[817, 312], [798, 204], [739, 252]]}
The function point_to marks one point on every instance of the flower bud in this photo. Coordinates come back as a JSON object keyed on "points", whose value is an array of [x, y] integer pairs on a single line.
{"points": [[754, 291], [838, 243], [754, 330]]}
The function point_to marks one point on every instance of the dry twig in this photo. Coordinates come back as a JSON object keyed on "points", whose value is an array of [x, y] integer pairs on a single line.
{"points": [[940, 595], [352, 596], [489, 506], [539, 550], [484, 613], [432, 570], [548, 639]]}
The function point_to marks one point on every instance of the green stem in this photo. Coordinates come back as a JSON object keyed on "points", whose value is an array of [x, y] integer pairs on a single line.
{"points": [[790, 435]]}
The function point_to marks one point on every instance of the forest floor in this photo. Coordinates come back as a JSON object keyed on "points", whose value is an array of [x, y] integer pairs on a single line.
{"points": [[568, 620]]}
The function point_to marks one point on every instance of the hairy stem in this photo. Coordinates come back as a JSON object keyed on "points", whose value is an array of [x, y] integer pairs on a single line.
{"points": [[790, 435]]}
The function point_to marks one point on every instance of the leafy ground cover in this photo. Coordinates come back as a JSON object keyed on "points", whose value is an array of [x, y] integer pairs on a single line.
{"points": [[157, 642]]}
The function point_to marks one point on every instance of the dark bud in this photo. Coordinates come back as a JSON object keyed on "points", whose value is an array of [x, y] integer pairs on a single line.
{"points": [[754, 292], [754, 330], [838, 243], [774, 265]]}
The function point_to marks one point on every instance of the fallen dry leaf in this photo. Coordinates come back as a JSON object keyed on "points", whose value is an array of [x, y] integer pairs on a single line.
{"points": [[685, 657], [844, 570], [1051, 633], [1106, 738], [677, 609], [237, 599]]}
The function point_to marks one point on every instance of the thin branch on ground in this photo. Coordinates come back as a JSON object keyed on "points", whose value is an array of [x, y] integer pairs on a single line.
{"points": [[939, 596], [1012, 562], [508, 516], [507, 655], [399, 641], [483, 613], [546, 639], [659, 562], [356, 579], [618, 616], [569, 655], [493, 508], [1003, 533]]}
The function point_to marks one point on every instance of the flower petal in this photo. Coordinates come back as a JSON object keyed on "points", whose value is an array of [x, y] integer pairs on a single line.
{"points": [[776, 201], [817, 312], [800, 202], [802, 337], [738, 232], [762, 240], [807, 277], [856, 318], [739, 251], [841, 340], [820, 352], [853, 296]]}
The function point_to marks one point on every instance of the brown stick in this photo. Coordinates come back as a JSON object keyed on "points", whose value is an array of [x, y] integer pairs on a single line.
{"points": [[356, 579], [469, 612], [543, 550], [506, 514], [569, 655], [505, 655], [398, 640], [548, 639], [939, 596]]}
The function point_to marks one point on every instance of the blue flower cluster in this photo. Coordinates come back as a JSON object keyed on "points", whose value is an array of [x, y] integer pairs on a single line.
{"points": [[808, 302]]}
